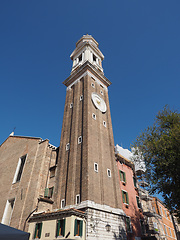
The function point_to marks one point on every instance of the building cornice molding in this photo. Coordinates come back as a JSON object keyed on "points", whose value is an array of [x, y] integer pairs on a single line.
{"points": [[81, 71]]}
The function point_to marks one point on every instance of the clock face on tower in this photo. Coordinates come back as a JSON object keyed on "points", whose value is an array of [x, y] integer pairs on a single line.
{"points": [[99, 102]]}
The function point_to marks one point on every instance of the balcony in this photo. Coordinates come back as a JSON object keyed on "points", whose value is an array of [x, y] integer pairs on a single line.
{"points": [[144, 195]]}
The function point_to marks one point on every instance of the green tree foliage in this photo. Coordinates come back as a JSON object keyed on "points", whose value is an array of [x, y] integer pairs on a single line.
{"points": [[160, 149]]}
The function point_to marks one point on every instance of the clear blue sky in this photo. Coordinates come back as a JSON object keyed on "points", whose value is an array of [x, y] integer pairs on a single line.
{"points": [[140, 40]]}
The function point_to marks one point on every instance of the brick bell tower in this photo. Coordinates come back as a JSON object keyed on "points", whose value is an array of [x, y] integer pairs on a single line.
{"points": [[87, 176]]}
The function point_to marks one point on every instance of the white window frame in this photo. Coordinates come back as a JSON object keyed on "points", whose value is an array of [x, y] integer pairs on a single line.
{"points": [[108, 171], [96, 165], [18, 169], [63, 203], [67, 146], [104, 123], [6, 219], [79, 139], [81, 98], [71, 105], [94, 116], [78, 196]]}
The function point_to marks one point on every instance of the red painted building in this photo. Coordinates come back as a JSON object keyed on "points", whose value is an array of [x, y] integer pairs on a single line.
{"points": [[130, 196]]}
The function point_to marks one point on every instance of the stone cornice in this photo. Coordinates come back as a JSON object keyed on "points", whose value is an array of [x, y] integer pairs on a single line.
{"points": [[82, 69]]}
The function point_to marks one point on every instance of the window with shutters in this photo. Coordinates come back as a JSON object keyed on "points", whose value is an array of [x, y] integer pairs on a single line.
{"points": [[38, 230], [128, 224], [138, 202], [135, 182], [125, 197], [60, 228], [122, 176], [78, 227]]}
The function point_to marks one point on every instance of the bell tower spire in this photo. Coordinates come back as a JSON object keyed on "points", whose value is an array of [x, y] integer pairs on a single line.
{"points": [[87, 50]]}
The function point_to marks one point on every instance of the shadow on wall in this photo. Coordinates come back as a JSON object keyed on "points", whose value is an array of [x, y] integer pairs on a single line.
{"points": [[135, 220], [121, 235]]}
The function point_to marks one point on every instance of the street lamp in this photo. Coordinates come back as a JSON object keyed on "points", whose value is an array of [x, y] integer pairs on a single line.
{"points": [[108, 227]]}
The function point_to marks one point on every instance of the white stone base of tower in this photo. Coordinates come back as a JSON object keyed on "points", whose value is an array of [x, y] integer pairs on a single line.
{"points": [[98, 217]]}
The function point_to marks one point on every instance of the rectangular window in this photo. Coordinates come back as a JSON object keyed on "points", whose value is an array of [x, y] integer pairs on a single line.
{"points": [[52, 171], [78, 227], [95, 167], [79, 139], [101, 92], [94, 116], [104, 123], [135, 182], [19, 169], [78, 199], [109, 172], [80, 58], [125, 197], [170, 234], [38, 230], [62, 203], [60, 228], [165, 229], [8, 211], [71, 105], [48, 192], [122, 176], [81, 97], [94, 58], [67, 146], [128, 224], [138, 202]]}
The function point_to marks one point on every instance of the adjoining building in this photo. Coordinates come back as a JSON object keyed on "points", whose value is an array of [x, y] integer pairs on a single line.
{"points": [[25, 163], [132, 207], [164, 226]]}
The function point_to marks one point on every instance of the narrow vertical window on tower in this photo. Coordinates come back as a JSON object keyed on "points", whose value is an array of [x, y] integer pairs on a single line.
{"points": [[101, 92], [80, 58], [71, 105], [109, 172], [19, 169], [62, 203], [94, 116], [81, 97], [78, 200], [80, 140], [94, 58], [104, 123], [95, 167], [67, 146]]}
